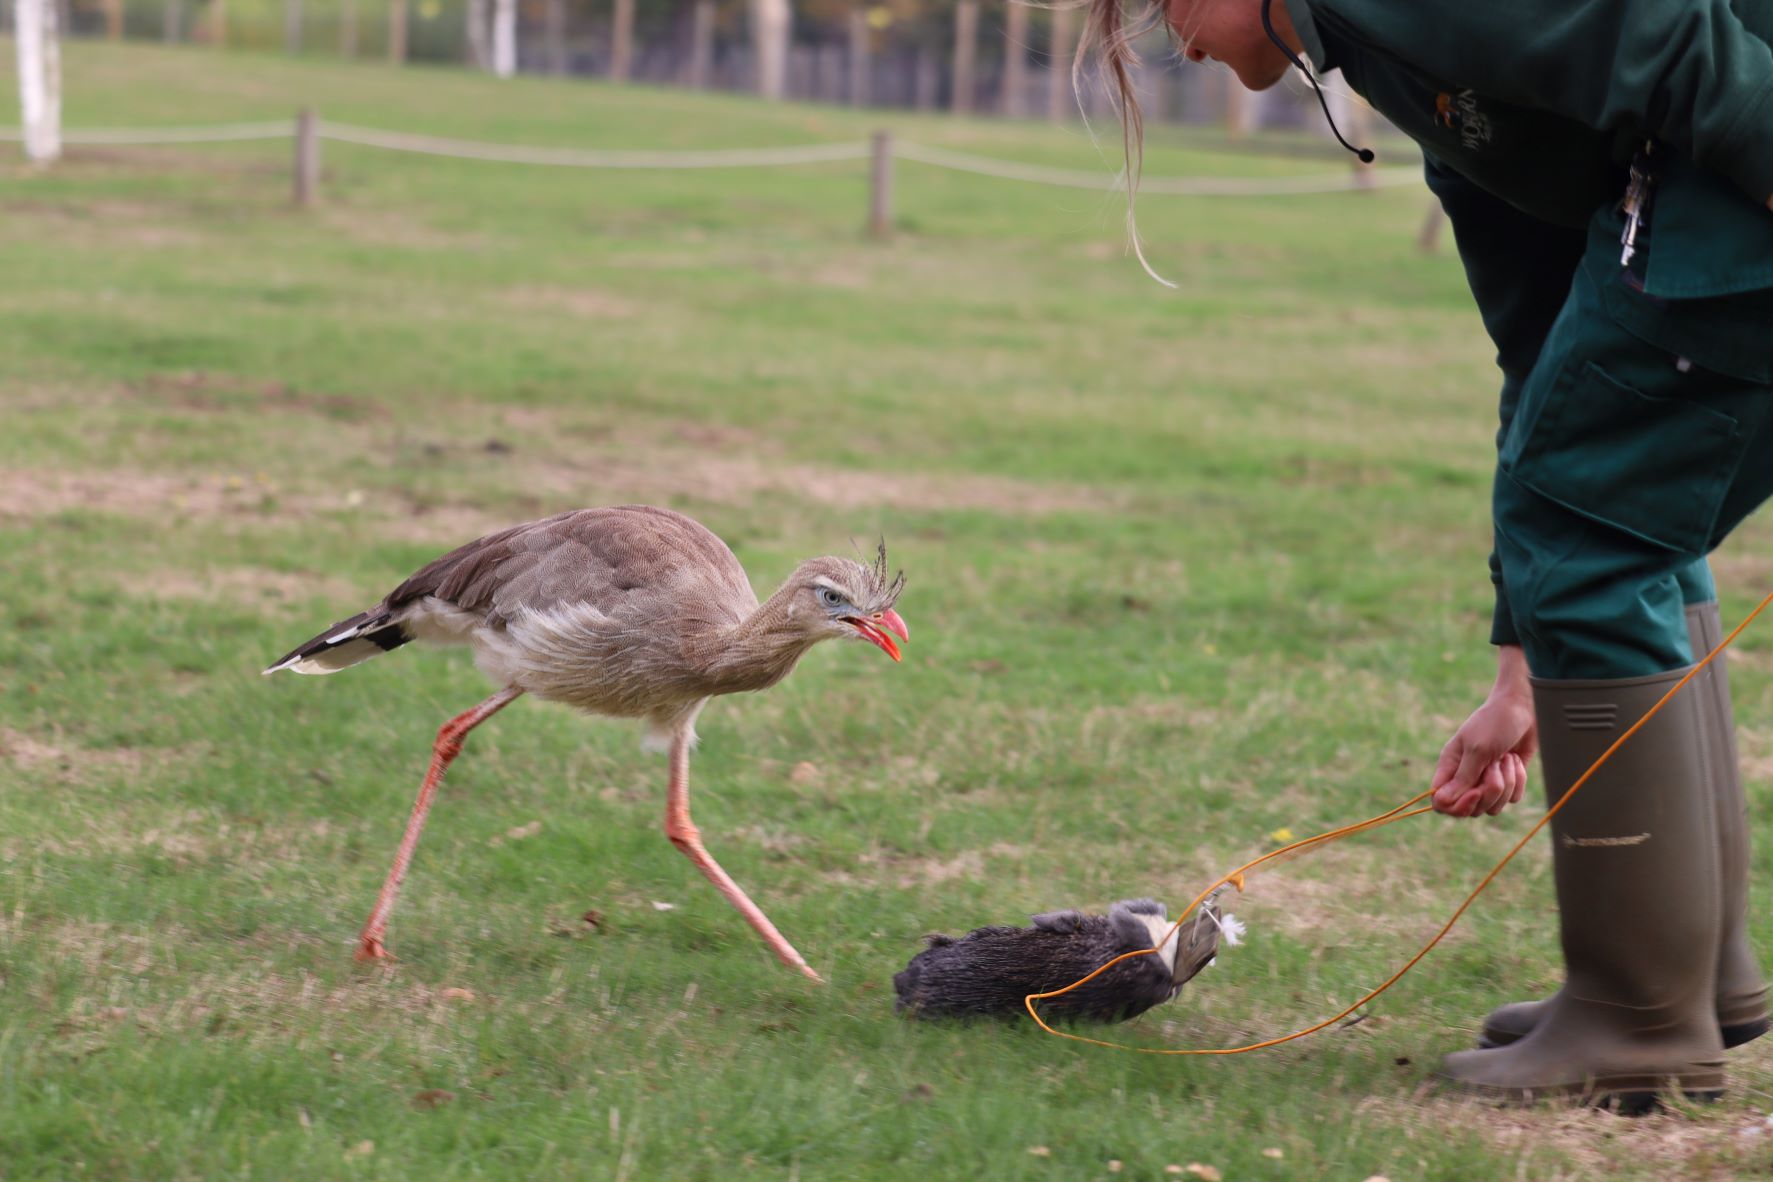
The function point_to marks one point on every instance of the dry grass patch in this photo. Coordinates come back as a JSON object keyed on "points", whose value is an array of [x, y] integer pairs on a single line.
{"points": [[250, 1003], [104, 224], [908, 872], [586, 303], [715, 476], [40, 492], [185, 837], [49, 758], [392, 228], [240, 584], [1689, 1144]]}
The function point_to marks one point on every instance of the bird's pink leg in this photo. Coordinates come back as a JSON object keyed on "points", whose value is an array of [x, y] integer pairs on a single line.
{"points": [[447, 747], [683, 834]]}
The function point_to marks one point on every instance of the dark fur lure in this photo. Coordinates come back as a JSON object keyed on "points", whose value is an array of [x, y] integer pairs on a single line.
{"points": [[989, 971]]}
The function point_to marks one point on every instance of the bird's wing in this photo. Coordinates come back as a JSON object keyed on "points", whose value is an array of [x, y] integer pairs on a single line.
{"points": [[631, 562]]}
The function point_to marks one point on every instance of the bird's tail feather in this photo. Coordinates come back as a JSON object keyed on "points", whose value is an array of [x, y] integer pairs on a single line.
{"points": [[348, 642]]}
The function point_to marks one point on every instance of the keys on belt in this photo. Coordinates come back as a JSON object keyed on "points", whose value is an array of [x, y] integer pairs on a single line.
{"points": [[1636, 203]]}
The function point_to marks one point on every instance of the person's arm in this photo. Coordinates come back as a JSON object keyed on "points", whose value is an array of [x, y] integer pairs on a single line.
{"points": [[1691, 73], [1519, 269]]}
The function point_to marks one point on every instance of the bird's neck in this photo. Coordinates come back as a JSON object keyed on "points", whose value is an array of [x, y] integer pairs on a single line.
{"points": [[758, 651]]}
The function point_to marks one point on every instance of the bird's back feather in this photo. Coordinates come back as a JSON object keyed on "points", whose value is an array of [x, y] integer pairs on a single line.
{"points": [[580, 584]]}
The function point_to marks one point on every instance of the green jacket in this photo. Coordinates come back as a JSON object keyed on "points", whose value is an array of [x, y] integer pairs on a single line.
{"points": [[1529, 113], [1542, 102]]}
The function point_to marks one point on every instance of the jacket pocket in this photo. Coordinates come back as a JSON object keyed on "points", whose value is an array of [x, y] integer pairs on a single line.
{"points": [[1658, 468]]}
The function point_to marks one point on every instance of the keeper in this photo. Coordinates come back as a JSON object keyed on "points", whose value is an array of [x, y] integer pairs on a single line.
{"points": [[1607, 171]]}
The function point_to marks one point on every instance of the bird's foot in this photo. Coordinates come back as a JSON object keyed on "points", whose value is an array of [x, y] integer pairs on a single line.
{"points": [[371, 948]]}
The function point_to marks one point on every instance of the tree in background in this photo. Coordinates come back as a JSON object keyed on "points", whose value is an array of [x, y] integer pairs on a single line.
{"points": [[504, 38], [36, 28], [771, 29]]}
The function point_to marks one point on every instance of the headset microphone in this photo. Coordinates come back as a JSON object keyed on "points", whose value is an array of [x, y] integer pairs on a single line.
{"points": [[1364, 155]]}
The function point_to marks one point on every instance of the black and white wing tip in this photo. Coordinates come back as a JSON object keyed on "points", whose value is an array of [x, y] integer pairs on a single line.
{"points": [[346, 643]]}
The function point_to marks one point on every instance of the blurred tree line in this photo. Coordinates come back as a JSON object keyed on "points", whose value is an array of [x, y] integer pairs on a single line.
{"points": [[962, 55]]}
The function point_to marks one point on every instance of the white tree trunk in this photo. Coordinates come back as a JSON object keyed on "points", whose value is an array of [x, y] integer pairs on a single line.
{"points": [[504, 38], [39, 79], [770, 28]]}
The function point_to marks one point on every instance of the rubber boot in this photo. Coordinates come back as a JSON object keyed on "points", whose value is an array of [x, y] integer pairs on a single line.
{"points": [[1635, 862], [1742, 994]]}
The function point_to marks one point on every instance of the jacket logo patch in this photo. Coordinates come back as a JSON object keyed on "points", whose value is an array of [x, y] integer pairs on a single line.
{"points": [[1459, 112]]}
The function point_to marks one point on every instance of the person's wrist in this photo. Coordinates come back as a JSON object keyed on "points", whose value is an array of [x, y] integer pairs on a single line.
{"points": [[1512, 675]]}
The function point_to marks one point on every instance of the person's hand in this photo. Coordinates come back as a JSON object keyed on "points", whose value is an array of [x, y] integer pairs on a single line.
{"points": [[1483, 768]]}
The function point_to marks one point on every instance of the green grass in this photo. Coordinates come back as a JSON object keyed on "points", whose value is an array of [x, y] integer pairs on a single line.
{"points": [[1185, 568]]}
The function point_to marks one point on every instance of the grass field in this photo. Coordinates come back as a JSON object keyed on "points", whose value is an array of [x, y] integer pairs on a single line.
{"points": [[1186, 569]]}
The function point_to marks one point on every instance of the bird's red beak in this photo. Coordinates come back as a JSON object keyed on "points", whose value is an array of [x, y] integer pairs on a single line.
{"points": [[874, 630]]}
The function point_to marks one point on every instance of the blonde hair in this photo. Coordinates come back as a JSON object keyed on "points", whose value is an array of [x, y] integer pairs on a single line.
{"points": [[1109, 32]]}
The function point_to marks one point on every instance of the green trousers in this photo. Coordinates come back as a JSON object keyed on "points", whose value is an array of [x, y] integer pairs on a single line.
{"points": [[1643, 436]]}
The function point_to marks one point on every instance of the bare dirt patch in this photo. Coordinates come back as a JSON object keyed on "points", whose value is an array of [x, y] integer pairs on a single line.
{"points": [[1756, 751], [26, 492], [238, 584], [727, 479], [1701, 1144], [211, 391], [908, 872], [584, 302], [68, 764], [384, 228], [118, 223]]}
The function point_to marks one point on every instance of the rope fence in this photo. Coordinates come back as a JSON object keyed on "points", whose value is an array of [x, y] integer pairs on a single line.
{"points": [[882, 150]]}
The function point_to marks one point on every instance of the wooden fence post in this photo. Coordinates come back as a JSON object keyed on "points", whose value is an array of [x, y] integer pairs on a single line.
{"points": [[880, 188], [1240, 108], [1360, 134], [1429, 236], [307, 158]]}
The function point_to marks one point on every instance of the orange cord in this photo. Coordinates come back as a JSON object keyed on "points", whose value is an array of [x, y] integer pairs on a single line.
{"points": [[1236, 878]]}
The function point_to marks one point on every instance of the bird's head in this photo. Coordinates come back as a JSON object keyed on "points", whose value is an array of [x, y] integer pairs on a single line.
{"points": [[840, 597]]}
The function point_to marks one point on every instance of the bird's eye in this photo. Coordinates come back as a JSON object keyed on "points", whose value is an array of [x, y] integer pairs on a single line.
{"points": [[830, 598]]}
